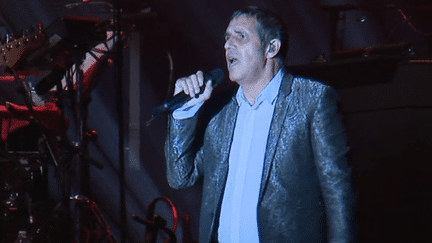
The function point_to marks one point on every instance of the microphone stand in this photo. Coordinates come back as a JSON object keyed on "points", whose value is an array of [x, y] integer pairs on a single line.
{"points": [[79, 105], [82, 118], [119, 99]]}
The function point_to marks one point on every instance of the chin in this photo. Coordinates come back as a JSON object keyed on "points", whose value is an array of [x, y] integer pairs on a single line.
{"points": [[233, 75]]}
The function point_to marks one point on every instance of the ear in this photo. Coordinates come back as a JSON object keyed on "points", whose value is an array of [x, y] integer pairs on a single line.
{"points": [[273, 48]]}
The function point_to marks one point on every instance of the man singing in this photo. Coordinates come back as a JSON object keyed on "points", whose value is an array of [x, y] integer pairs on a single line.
{"points": [[274, 158]]}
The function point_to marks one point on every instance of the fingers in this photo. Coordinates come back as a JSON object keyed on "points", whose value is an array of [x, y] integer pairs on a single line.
{"points": [[207, 91], [190, 85]]}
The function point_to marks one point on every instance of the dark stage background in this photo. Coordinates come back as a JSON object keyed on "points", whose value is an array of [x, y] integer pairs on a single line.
{"points": [[376, 53]]}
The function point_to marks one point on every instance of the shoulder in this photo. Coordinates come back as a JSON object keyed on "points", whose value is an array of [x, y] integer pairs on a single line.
{"points": [[308, 93], [301, 84], [310, 83], [311, 88]]}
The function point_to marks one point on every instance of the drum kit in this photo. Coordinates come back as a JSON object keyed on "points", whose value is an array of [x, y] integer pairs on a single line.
{"points": [[46, 80], [41, 74]]}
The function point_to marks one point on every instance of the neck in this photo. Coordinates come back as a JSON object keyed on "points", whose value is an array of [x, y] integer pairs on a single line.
{"points": [[251, 90]]}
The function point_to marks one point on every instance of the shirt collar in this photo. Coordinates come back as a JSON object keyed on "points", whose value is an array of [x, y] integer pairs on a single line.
{"points": [[269, 93]]}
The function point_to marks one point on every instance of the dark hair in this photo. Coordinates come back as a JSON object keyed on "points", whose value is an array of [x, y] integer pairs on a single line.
{"points": [[269, 27]]}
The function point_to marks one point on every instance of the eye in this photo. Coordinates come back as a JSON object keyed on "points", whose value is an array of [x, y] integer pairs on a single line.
{"points": [[241, 35], [227, 37]]}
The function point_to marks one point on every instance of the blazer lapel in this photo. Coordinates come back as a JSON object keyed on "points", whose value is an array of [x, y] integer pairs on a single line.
{"points": [[227, 135], [228, 131], [276, 125]]}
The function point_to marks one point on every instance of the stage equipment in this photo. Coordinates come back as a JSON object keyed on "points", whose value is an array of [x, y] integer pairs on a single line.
{"points": [[336, 15], [42, 74], [155, 222], [351, 67], [95, 226], [357, 67]]}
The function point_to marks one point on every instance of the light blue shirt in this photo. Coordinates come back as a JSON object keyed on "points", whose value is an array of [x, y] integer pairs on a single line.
{"points": [[238, 218]]}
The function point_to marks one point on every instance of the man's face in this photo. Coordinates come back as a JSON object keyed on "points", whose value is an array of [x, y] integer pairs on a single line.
{"points": [[244, 53]]}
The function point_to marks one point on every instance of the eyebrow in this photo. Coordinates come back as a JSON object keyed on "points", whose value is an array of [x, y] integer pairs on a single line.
{"points": [[238, 32]]}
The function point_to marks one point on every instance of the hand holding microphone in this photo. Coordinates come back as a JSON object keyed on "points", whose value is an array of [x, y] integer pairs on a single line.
{"points": [[191, 90], [193, 86]]}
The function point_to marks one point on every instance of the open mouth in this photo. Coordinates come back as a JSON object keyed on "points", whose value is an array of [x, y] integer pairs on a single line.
{"points": [[232, 61]]}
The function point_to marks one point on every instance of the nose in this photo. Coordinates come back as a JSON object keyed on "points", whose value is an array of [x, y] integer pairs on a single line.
{"points": [[229, 44]]}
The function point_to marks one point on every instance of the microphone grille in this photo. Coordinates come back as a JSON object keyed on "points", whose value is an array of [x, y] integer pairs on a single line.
{"points": [[217, 76]]}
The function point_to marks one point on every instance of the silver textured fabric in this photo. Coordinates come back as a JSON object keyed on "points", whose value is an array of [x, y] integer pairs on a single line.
{"points": [[306, 193]]}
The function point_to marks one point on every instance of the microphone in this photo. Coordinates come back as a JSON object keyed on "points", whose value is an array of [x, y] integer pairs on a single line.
{"points": [[216, 76]]}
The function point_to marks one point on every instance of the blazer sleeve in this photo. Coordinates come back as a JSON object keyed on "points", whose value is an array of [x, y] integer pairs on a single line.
{"points": [[330, 147], [182, 153]]}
